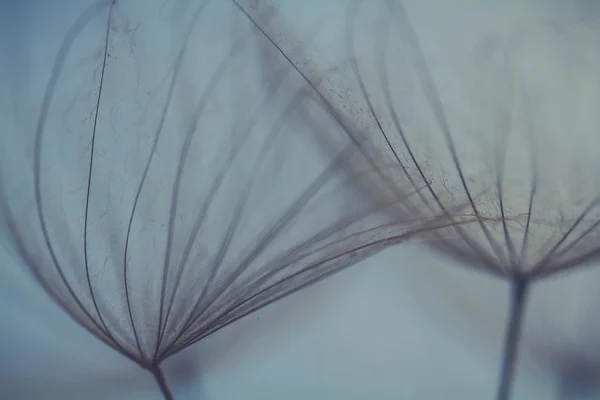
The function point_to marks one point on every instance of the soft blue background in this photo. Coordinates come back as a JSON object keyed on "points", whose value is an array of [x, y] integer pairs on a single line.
{"points": [[405, 324]]}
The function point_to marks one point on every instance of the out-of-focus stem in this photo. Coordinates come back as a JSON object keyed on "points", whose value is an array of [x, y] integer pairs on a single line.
{"points": [[519, 288], [159, 376]]}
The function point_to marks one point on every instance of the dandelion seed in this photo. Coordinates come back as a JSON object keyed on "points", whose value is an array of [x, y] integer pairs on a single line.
{"points": [[529, 226], [503, 122], [160, 198]]}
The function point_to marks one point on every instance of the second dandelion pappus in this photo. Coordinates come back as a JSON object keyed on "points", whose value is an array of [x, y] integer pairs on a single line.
{"points": [[491, 117]]}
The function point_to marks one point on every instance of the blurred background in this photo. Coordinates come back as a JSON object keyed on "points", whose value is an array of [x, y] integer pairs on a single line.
{"points": [[405, 324]]}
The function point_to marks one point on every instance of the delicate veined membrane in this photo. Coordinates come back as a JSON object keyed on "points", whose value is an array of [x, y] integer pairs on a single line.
{"points": [[490, 110], [518, 90], [505, 115], [501, 119], [169, 183]]}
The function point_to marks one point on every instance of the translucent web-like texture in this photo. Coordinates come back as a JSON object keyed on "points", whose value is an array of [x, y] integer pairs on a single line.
{"points": [[503, 122], [490, 111], [169, 185], [490, 114]]}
